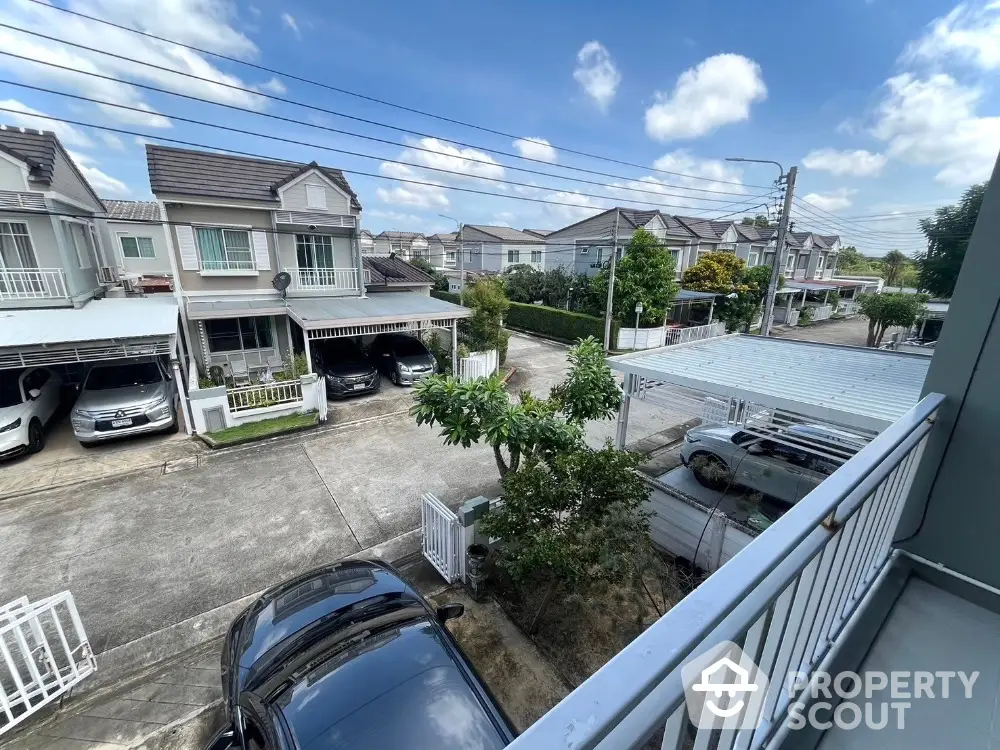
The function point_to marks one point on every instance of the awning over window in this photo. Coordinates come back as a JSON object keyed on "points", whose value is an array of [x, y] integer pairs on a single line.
{"points": [[101, 329]]}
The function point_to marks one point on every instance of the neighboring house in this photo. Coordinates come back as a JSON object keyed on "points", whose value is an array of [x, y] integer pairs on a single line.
{"points": [[489, 248], [50, 250], [395, 275], [543, 233], [366, 240], [234, 223], [815, 256], [406, 245], [442, 250], [135, 235]]}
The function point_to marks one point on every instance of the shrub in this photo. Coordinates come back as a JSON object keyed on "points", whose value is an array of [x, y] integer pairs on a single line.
{"points": [[447, 296], [559, 324]]}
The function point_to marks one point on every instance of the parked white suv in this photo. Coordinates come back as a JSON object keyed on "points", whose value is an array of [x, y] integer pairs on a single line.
{"points": [[28, 400]]}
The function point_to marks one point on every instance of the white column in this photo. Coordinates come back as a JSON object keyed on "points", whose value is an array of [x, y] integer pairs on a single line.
{"points": [[180, 383], [288, 332], [454, 347], [788, 308], [621, 432], [309, 361], [711, 310]]}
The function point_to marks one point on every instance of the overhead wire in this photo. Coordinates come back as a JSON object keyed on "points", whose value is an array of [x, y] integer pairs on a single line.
{"points": [[808, 208], [347, 92]]}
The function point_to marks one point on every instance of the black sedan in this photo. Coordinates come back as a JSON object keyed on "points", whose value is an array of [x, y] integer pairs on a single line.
{"points": [[345, 368], [349, 656], [402, 358]]}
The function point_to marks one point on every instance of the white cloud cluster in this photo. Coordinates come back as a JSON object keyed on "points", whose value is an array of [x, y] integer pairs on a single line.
{"points": [[834, 200], [204, 23], [29, 117], [970, 33], [536, 148], [430, 195], [597, 74], [859, 163], [289, 21], [718, 91], [934, 122], [102, 183]]}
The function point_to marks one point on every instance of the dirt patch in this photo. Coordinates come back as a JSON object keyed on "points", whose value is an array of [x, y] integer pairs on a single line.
{"points": [[523, 682]]}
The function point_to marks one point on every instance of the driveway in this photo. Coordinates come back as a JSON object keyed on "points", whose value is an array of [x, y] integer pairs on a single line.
{"points": [[844, 331]]}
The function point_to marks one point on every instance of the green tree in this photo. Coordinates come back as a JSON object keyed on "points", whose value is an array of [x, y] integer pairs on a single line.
{"points": [[850, 260], [947, 240], [524, 284], [645, 273], [440, 280], [573, 518], [760, 220], [590, 390], [893, 263], [489, 304], [725, 274], [888, 310]]}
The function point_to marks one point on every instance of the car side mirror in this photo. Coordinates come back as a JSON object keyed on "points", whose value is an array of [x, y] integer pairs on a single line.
{"points": [[34, 393], [450, 611], [754, 449]]}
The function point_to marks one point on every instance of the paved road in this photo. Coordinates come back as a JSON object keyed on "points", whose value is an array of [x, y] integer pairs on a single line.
{"points": [[847, 332]]}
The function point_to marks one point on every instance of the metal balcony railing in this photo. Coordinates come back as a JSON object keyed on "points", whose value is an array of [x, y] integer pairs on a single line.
{"points": [[230, 264], [260, 396], [789, 598], [32, 283], [324, 279]]}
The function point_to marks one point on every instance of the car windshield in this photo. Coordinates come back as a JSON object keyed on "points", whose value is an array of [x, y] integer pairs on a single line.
{"points": [[408, 347], [10, 392], [123, 376], [341, 351]]}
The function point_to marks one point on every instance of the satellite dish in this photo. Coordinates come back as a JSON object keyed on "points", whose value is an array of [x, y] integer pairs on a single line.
{"points": [[281, 282]]}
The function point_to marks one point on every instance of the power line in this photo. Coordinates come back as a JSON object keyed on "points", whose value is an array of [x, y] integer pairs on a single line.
{"points": [[363, 155], [808, 208], [285, 100], [355, 94], [886, 234]]}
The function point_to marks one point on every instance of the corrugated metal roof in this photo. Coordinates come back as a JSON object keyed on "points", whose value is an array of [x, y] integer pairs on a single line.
{"points": [[539, 232], [690, 295], [98, 320], [132, 210], [866, 388], [203, 173], [383, 271], [387, 307], [809, 286], [228, 306]]}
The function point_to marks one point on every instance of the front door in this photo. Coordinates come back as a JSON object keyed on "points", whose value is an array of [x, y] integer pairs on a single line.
{"points": [[314, 253]]}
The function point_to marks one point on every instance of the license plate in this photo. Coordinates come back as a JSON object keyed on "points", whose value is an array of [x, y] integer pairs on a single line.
{"points": [[121, 422], [359, 387]]}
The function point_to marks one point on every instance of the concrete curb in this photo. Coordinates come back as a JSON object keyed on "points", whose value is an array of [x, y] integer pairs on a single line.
{"points": [[212, 443]]}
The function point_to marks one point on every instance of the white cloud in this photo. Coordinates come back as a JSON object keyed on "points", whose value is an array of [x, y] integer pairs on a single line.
{"points": [[582, 207], [597, 74], [831, 201], [934, 122], [717, 92], [28, 117], [254, 11], [859, 163], [111, 140], [204, 23], [536, 148], [397, 218], [431, 195], [102, 183], [970, 33], [289, 20], [442, 155], [274, 86]]}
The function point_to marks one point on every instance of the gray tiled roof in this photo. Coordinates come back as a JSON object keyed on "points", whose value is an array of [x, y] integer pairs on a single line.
{"points": [[830, 238], [36, 147], [539, 232], [504, 233], [702, 228], [366, 233], [394, 271], [721, 226], [755, 233], [133, 210], [639, 218], [444, 236], [394, 235], [203, 173]]}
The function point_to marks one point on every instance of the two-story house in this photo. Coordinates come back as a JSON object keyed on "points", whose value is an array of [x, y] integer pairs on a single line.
{"points": [[267, 260], [495, 248], [442, 250], [134, 233], [405, 245]]}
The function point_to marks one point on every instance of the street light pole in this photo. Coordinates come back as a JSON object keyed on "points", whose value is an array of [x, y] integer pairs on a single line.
{"points": [[779, 247], [611, 284]]}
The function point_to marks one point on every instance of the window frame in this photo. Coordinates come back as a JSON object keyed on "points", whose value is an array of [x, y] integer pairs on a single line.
{"points": [[136, 238], [308, 243], [268, 320], [756, 259], [513, 255], [791, 263], [6, 230], [228, 264], [311, 191], [536, 256]]}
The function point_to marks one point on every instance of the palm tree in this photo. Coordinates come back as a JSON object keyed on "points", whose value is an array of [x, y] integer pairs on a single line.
{"points": [[892, 266]]}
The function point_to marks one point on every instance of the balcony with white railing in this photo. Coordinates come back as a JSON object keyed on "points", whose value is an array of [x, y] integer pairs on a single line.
{"points": [[33, 284], [228, 266], [324, 280], [808, 597]]}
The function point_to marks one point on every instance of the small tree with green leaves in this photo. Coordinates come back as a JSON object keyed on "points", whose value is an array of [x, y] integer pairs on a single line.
{"points": [[489, 304], [725, 274], [893, 264], [888, 310], [645, 274], [440, 280], [589, 390], [948, 234]]}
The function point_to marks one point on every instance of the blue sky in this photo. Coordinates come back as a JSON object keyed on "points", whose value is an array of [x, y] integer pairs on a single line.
{"points": [[886, 106]]}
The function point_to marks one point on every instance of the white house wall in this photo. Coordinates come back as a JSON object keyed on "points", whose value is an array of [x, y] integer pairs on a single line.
{"points": [[294, 197], [65, 181], [12, 176], [113, 232]]}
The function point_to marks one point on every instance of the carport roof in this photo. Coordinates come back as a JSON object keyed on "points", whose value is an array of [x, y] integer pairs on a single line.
{"points": [[385, 307], [866, 388], [98, 320]]}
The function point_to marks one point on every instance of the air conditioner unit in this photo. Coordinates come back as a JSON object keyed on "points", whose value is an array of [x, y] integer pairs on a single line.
{"points": [[107, 275]]}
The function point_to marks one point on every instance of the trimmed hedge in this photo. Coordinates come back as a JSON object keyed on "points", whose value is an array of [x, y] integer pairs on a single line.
{"points": [[549, 321]]}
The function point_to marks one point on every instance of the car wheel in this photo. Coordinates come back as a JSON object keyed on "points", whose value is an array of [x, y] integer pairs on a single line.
{"points": [[87, 445], [175, 427], [394, 377], [711, 471], [36, 437]]}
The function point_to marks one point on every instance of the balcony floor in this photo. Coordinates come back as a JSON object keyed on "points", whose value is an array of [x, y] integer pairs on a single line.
{"points": [[934, 630]]}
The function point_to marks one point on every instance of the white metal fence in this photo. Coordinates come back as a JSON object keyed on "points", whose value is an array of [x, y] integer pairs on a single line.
{"points": [[478, 365], [32, 283], [44, 653], [847, 307], [324, 279], [822, 312], [787, 597], [695, 333], [440, 537], [652, 338], [260, 396]]}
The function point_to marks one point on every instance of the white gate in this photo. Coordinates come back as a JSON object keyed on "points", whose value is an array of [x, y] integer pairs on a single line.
{"points": [[478, 365], [44, 653], [440, 537]]}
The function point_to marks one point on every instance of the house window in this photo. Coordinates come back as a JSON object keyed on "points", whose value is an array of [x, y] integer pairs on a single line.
{"points": [[239, 334], [536, 256], [752, 259], [137, 247], [450, 258], [790, 263], [803, 260], [314, 250], [584, 250], [80, 239], [821, 264], [513, 255], [768, 259], [316, 196], [225, 249], [15, 246]]}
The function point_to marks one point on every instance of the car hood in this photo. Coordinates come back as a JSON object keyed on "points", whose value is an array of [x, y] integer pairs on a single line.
{"points": [[348, 369], [121, 398], [718, 433], [10, 414], [416, 360]]}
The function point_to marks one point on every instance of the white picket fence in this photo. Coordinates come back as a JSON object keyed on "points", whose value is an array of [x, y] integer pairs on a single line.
{"points": [[478, 365], [652, 338], [441, 542], [262, 395], [44, 653], [695, 333], [822, 312], [847, 307]]}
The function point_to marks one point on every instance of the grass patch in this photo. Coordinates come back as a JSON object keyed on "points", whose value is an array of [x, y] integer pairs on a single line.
{"points": [[264, 428]]}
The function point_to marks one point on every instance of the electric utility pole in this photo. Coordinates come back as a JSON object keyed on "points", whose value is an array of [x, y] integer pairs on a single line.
{"points": [[611, 284], [779, 252]]}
